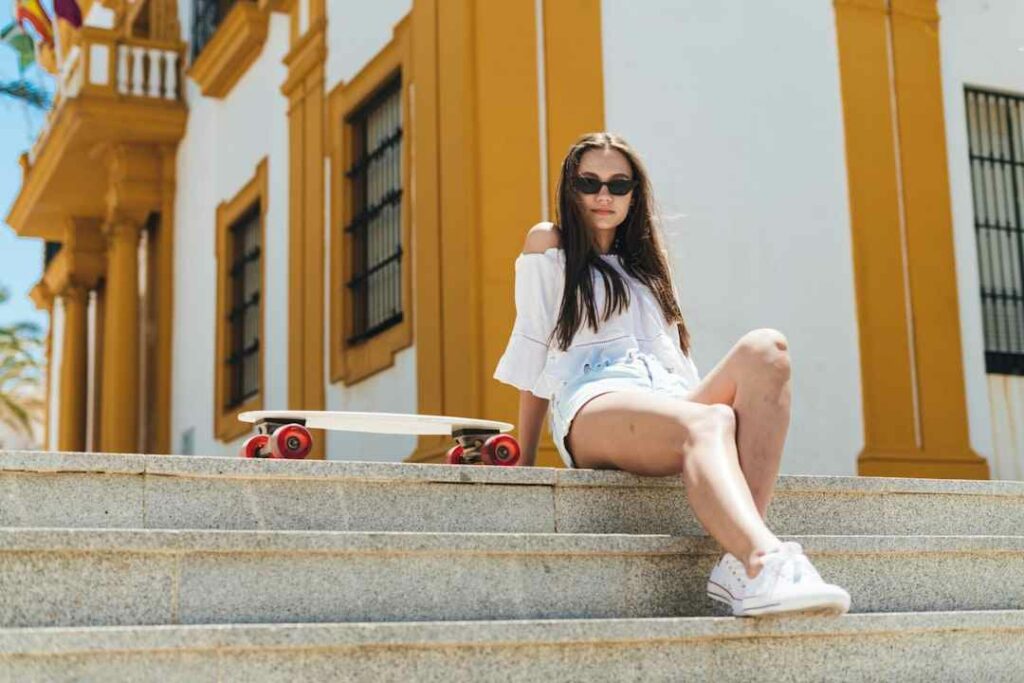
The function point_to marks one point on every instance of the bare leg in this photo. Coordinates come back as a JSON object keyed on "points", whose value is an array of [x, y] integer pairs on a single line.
{"points": [[659, 436], [754, 378]]}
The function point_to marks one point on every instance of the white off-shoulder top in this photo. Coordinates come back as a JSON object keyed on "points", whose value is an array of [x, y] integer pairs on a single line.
{"points": [[529, 363]]}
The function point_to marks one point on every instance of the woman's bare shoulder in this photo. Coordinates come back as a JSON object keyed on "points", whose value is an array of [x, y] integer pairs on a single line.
{"points": [[542, 237]]}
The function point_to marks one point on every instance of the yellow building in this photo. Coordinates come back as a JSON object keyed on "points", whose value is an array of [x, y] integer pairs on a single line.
{"points": [[316, 205]]}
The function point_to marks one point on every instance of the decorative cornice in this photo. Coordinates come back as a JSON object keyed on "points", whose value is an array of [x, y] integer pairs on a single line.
{"points": [[307, 54], [134, 187], [235, 45], [41, 296]]}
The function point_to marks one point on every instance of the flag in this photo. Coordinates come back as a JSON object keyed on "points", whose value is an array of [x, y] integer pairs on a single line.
{"points": [[32, 12], [69, 11], [20, 42]]}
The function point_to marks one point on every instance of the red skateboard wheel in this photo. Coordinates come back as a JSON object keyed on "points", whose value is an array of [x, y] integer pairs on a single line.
{"points": [[291, 441], [454, 456], [502, 450], [254, 445]]}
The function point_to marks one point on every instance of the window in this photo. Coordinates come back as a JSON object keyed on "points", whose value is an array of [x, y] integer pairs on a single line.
{"points": [[996, 147], [244, 316], [370, 228], [206, 17], [375, 232], [239, 350]]}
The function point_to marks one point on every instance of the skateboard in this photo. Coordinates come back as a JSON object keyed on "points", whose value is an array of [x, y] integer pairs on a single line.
{"points": [[285, 433]]}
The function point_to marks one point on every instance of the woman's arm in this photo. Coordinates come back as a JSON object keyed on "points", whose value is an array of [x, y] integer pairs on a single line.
{"points": [[532, 411]]}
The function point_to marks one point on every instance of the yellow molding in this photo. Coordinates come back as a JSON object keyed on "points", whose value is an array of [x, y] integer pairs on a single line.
{"points": [[281, 6], [162, 286], [119, 412], [915, 420], [235, 45], [304, 88], [425, 145], [573, 58], [226, 426], [64, 180], [351, 364], [307, 54], [42, 296], [574, 83]]}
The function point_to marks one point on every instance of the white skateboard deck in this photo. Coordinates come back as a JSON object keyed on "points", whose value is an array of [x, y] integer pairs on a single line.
{"points": [[377, 423]]}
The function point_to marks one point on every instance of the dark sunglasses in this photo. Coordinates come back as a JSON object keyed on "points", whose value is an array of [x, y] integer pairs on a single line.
{"points": [[617, 187]]}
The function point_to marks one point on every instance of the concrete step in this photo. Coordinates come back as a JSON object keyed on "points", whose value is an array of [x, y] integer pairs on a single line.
{"points": [[957, 646], [60, 577], [175, 492]]}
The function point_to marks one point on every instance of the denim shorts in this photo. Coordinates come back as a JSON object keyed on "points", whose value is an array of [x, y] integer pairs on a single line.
{"points": [[634, 372]]}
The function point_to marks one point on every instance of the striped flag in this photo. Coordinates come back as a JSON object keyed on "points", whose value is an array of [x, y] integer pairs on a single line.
{"points": [[31, 12], [69, 11]]}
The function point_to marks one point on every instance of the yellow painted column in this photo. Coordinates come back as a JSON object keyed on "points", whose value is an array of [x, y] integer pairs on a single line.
{"points": [[304, 88], [119, 420], [915, 418], [73, 370]]}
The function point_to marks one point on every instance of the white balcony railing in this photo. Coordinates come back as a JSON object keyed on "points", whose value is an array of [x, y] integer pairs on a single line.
{"points": [[106, 64]]}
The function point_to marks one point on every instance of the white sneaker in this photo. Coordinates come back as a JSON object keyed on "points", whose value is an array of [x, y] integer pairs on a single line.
{"points": [[788, 582]]}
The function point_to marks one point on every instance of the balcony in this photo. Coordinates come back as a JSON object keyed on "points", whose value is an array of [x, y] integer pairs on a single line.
{"points": [[113, 91]]}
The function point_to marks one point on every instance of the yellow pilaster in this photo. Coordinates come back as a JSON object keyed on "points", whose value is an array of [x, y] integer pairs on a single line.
{"points": [[119, 422], [73, 371], [479, 166], [915, 419], [304, 88]]}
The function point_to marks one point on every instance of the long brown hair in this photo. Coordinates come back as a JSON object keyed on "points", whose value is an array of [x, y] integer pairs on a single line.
{"points": [[638, 243]]}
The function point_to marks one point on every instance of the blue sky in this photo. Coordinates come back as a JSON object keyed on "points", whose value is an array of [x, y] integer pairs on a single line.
{"points": [[21, 260]]}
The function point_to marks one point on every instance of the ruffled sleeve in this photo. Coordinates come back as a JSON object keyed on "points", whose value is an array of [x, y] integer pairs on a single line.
{"points": [[540, 279]]}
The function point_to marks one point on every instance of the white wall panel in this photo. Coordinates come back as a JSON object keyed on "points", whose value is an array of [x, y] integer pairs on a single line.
{"points": [[981, 45], [225, 141], [736, 109], [356, 32]]}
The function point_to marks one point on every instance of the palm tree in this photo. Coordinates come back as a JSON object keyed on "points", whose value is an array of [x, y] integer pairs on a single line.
{"points": [[21, 346], [24, 91]]}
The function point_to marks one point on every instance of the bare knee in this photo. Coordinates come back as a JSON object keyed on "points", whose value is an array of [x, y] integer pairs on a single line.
{"points": [[715, 421], [767, 351]]}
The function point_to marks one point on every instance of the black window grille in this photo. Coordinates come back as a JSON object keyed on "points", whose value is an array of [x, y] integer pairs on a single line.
{"points": [[376, 199], [243, 320], [996, 146], [206, 17]]}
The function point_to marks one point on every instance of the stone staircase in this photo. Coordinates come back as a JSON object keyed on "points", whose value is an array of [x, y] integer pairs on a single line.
{"points": [[213, 569]]}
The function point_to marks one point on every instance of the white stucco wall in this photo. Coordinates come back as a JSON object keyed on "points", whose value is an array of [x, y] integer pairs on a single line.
{"points": [[356, 32], [981, 43], [225, 141], [736, 109]]}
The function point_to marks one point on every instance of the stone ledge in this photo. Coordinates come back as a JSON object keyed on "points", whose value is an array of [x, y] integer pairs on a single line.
{"points": [[64, 641], [391, 542], [220, 467]]}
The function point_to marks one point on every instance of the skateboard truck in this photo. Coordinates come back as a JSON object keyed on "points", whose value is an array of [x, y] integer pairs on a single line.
{"points": [[487, 446], [279, 438]]}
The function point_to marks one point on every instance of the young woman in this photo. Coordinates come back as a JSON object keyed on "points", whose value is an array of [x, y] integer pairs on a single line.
{"points": [[599, 334]]}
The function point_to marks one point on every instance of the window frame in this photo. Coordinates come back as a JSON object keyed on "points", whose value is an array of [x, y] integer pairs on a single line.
{"points": [[998, 361], [352, 363], [226, 424]]}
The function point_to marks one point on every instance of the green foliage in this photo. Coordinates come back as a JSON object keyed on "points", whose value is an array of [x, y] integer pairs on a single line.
{"points": [[21, 372]]}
